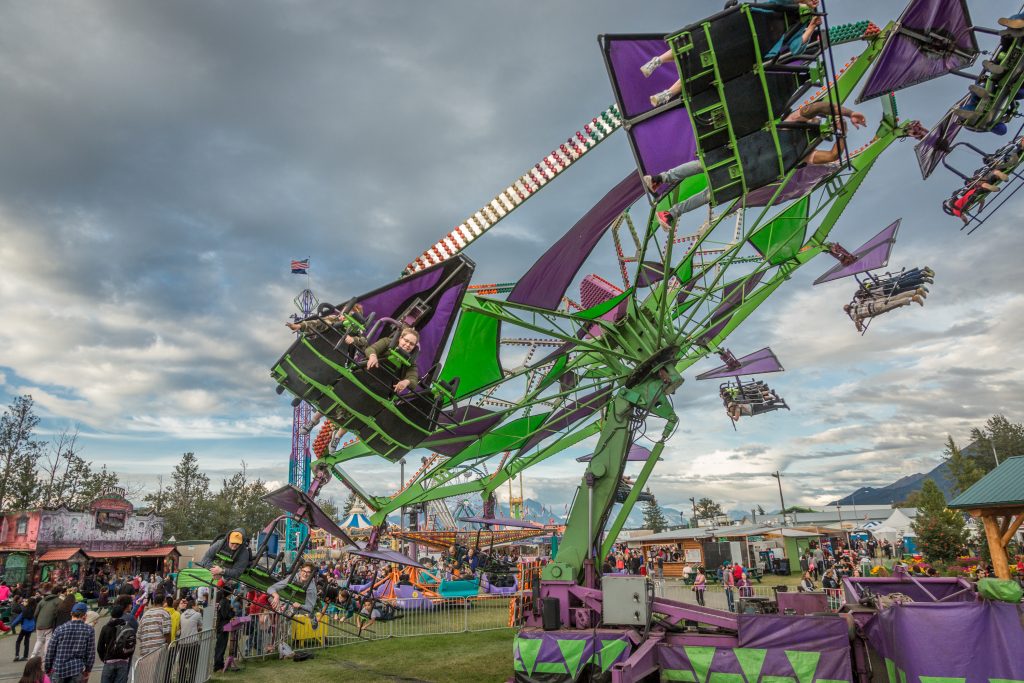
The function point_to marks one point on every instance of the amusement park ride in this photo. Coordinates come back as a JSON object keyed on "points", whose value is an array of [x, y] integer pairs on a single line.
{"points": [[529, 372]]}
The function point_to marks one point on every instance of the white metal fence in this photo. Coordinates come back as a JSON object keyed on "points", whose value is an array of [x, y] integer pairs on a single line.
{"points": [[186, 660]]}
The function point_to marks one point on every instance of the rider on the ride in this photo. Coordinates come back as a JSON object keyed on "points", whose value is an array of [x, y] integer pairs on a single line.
{"points": [[228, 556]]}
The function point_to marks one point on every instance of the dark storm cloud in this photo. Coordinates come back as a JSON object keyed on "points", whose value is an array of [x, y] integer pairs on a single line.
{"points": [[160, 162]]}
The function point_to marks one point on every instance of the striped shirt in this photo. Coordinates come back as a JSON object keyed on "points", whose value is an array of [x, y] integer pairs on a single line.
{"points": [[154, 627]]}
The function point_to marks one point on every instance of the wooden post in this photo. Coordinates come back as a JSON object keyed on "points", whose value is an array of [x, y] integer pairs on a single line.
{"points": [[995, 546]]}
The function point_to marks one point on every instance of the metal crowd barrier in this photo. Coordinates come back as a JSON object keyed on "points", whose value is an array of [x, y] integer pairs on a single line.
{"points": [[433, 616], [186, 660]]}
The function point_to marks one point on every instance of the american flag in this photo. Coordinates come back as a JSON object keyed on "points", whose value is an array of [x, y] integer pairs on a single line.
{"points": [[300, 267]]}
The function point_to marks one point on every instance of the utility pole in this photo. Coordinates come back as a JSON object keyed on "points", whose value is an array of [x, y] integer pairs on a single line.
{"points": [[992, 443], [401, 516], [839, 511], [778, 476], [696, 522]]}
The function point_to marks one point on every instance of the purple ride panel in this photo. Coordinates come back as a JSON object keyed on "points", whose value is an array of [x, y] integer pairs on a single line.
{"points": [[871, 255], [663, 141], [935, 146], [547, 281], [755, 363], [903, 63]]}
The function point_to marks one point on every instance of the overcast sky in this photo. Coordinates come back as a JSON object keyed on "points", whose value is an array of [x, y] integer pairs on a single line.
{"points": [[161, 163]]}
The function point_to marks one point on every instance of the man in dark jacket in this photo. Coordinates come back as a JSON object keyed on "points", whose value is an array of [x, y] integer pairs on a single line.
{"points": [[116, 662], [45, 616], [228, 556]]}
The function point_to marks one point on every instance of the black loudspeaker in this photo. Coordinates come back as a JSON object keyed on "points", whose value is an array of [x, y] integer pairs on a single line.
{"points": [[549, 616]]}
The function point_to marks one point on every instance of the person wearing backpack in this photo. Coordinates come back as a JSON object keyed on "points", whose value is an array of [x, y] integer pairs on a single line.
{"points": [[116, 647]]}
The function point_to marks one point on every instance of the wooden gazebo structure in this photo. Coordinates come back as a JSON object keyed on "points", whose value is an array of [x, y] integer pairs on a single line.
{"points": [[998, 499]]}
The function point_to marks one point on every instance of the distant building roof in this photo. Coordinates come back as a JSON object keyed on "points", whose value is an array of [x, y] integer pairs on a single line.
{"points": [[1002, 487], [705, 532], [159, 551], [58, 554]]}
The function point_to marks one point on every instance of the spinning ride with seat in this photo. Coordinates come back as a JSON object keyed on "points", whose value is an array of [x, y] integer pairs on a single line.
{"points": [[613, 363]]}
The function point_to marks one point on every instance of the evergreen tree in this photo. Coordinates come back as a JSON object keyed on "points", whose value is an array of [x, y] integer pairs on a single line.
{"points": [[187, 501], [19, 455], [964, 470], [654, 519], [941, 532], [349, 503]]}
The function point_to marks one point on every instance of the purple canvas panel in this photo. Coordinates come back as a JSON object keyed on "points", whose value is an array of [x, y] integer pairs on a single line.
{"points": [[902, 63], [544, 285], [935, 146], [573, 411], [432, 335], [787, 632], [452, 422], [800, 184], [984, 640], [293, 500], [501, 521], [755, 363], [663, 142], [637, 453], [871, 255], [625, 57]]}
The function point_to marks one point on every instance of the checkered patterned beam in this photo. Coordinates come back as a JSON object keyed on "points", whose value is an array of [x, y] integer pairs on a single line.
{"points": [[599, 128]]}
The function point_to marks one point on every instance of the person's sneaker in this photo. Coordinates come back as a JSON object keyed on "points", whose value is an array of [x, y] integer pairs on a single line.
{"points": [[978, 91], [306, 429], [661, 98], [994, 67], [1011, 23], [649, 68], [665, 219], [336, 438], [652, 183]]}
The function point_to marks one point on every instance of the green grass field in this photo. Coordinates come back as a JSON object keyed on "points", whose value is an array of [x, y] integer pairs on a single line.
{"points": [[458, 658]]}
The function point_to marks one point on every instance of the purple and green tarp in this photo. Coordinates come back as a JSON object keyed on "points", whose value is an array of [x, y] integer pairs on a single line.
{"points": [[958, 642], [767, 649], [549, 656]]}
